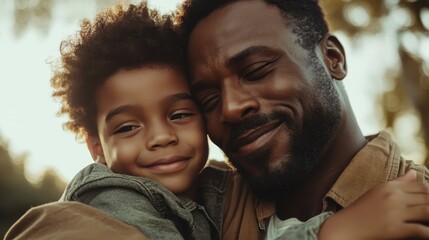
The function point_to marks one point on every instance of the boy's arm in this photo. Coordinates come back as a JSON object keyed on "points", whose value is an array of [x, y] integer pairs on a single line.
{"points": [[394, 210], [70, 220], [397, 209]]}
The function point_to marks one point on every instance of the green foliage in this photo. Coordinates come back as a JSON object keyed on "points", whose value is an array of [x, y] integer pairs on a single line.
{"points": [[34, 13], [18, 194], [404, 18]]}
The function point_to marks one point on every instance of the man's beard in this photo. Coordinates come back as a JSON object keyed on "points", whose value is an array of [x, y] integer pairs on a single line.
{"points": [[306, 146]]}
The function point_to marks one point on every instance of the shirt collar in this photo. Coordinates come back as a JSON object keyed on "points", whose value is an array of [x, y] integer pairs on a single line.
{"points": [[377, 162]]}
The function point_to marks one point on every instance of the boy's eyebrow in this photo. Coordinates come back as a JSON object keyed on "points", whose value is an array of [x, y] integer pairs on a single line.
{"points": [[117, 111], [169, 101], [178, 97]]}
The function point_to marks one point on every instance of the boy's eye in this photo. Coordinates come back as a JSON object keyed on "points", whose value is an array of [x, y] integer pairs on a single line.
{"points": [[181, 115], [126, 128]]}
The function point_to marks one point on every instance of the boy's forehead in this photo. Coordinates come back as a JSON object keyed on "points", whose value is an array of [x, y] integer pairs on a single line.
{"points": [[142, 91], [150, 82]]}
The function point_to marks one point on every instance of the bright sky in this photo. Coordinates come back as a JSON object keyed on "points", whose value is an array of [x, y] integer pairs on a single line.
{"points": [[28, 114]]}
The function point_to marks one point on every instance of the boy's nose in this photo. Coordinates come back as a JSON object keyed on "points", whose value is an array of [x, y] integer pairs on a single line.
{"points": [[160, 137]]}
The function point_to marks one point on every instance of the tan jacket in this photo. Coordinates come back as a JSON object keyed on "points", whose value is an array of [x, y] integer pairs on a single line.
{"points": [[244, 217], [379, 161], [70, 220]]}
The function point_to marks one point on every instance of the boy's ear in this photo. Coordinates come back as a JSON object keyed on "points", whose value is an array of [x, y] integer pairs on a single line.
{"points": [[95, 148], [334, 56]]}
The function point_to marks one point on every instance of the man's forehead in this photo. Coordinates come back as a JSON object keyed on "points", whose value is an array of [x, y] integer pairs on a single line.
{"points": [[241, 13], [235, 27]]}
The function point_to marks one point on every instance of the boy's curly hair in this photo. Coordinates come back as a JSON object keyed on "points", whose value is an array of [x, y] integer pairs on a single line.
{"points": [[118, 38]]}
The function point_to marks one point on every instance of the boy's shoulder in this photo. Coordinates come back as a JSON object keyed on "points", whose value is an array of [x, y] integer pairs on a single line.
{"points": [[98, 176]]}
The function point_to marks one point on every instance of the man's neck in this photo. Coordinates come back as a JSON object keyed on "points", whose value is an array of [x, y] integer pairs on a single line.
{"points": [[308, 200]]}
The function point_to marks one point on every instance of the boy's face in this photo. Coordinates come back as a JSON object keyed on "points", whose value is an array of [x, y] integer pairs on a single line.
{"points": [[149, 126]]}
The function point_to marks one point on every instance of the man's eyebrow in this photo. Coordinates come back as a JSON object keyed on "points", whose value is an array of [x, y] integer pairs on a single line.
{"points": [[198, 86], [241, 56], [236, 59]]}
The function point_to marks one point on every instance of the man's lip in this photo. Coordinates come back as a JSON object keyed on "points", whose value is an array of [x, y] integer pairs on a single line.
{"points": [[254, 134]]}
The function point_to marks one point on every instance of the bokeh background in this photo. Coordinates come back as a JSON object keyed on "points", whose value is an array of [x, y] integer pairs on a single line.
{"points": [[387, 47]]}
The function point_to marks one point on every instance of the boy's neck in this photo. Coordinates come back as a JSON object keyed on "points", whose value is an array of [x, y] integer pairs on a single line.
{"points": [[192, 192]]}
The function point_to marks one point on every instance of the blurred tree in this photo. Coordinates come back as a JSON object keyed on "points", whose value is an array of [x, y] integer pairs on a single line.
{"points": [[38, 13], [32, 13], [18, 194], [408, 20]]}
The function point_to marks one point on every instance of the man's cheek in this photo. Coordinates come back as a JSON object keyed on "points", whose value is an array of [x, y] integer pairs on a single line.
{"points": [[216, 136]]}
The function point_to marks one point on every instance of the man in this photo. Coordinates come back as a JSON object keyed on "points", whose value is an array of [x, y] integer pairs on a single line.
{"points": [[268, 81], [268, 75]]}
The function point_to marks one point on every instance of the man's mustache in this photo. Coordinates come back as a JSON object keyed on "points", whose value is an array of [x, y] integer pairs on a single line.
{"points": [[255, 121]]}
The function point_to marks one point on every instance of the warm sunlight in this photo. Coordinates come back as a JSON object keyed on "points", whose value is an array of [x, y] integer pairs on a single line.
{"points": [[28, 119]]}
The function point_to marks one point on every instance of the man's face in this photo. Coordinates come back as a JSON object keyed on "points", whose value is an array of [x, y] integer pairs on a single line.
{"points": [[268, 103]]}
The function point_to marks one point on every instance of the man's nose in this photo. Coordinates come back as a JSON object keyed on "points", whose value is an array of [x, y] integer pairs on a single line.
{"points": [[237, 103], [160, 135]]}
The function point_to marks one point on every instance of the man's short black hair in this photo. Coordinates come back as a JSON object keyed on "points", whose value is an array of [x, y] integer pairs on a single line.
{"points": [[306, 16]]}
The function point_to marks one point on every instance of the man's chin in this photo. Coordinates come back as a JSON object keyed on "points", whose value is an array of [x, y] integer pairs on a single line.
{"points": [[270, 183], [254, 163], [266, 187]]}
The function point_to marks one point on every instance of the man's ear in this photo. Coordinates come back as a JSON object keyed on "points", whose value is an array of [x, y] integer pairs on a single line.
{"points": [[334, 56], [95, 148]]}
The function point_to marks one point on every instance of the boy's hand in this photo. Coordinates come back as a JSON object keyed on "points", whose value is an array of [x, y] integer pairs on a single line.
{"points": [[392, 210]]}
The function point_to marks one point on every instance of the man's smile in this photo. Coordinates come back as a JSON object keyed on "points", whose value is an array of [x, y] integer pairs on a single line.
{"points": [[257, 138]]}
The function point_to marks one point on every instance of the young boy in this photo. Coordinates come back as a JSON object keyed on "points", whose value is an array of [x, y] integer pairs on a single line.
{"points": [[123, 86]]}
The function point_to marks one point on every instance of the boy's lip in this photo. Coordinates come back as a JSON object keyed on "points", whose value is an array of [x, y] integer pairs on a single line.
{"points": [[168, 164]]}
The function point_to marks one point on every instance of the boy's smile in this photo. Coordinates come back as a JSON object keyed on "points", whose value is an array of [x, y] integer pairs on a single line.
{"points": [[168, 164], [149, 126]]}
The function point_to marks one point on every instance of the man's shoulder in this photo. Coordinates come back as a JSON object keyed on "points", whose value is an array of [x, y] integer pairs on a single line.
{"points": [[388, 153], [422, 171]]}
